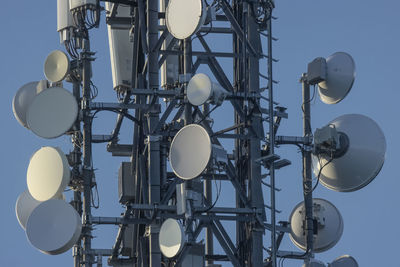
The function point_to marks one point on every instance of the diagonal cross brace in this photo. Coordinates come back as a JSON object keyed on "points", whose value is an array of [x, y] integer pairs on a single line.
{"points": [[236, 27]]}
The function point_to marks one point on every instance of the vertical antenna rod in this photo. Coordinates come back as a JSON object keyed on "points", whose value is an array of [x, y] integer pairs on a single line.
{"points": [[307, 179], [87, 155], [271, 141], [153, 160]]}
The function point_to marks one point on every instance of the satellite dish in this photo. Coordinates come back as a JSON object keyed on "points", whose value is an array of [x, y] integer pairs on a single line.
{"points": [[201, 88], [362, 161], [24, 97], [48, 173], [190, 151], [329, 221], [344, 261], [171, 238], [24, 206], [53, 227], [56, 66], [314, 263], [185, 17], [52, 112], [340, 77]]}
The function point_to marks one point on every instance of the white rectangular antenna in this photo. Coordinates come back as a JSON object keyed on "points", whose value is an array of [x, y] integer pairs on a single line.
{"points": [[121, 50], [65, 23], [80, 3]]}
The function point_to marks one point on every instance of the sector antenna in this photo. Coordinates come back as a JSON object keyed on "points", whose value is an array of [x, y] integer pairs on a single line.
{"points": [[209, 131]]}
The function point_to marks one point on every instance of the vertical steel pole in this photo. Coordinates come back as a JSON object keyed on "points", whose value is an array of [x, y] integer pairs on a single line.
{"points": [[271, 142], [239, 82], [307, 178], [255, 186], [188, 185], [153, 141], [87, 155], [187, 70], [77, 203], [208, 195]]}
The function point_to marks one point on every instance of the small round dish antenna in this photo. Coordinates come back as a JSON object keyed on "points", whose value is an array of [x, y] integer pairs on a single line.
{"points": [[329, 223], [363, 159], [48, 173], [24, 206], [171, 238], [23, 98], [53, 227], [56, 66], [344, 261], [340, 77], [185, 17], [52, 112], [190, 151], [200, 89]]}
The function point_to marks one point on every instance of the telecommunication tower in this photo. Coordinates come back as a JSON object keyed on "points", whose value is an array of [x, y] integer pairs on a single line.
{"points": [[157, 49]]}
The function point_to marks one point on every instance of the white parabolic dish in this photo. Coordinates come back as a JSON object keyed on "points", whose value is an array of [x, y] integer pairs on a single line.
{"points": [[185, 17], [48, 173], [171, 238], [52, 112], [199, 89], [362, 161], [340, 77], [190, 151], [56, 66], [344, 261], [22, 99], [24, 206], [329, 220], [53, 227]]}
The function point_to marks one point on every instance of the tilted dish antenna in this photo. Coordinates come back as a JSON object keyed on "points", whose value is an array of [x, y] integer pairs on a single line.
{"points": [[24, 206], [171, 238], [56, 66], [185, 17], [358, 158], [200, 89], [191, 151], [334, 76], [24, 97], [53, 227], [48, 173], [329, 225], [52, 112], [344, 261], [340, 77]]}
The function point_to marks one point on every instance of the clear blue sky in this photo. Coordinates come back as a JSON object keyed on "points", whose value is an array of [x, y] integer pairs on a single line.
{"points": [[368, 30]]}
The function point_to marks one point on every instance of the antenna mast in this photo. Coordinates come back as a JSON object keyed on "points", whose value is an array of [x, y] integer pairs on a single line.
{"points": [[176, 152]]}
